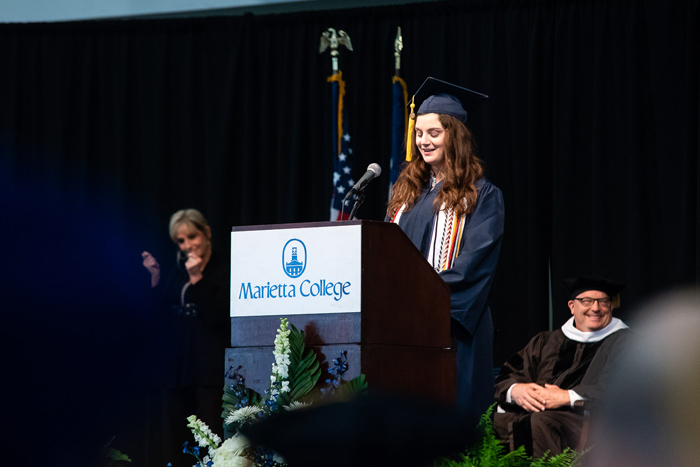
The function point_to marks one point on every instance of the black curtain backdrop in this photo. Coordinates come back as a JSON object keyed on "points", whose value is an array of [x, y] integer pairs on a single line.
{"points": [[591, 131]]}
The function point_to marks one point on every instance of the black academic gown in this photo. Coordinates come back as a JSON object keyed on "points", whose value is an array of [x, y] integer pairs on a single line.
{"points": [[552, 358], [470, 282]]}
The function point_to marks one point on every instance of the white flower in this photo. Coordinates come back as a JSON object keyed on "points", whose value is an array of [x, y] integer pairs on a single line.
{"points": [[243, 415], [282, 360], [202, 434], [280, 368], [297, 405], [230, 453], [282, 350]]}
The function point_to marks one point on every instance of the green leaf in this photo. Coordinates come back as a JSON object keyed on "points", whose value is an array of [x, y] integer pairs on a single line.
{"points": [[355, 386], [304, 368], [302, 389]]}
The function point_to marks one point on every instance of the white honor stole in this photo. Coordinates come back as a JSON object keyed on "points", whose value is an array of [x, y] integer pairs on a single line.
{"points": [[446, 239]]}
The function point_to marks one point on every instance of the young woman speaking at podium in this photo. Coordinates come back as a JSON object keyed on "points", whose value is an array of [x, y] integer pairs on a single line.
{"points": [[454, 216]]}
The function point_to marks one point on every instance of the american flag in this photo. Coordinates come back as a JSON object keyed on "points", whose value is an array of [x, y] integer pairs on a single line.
{"points": [[342, 166]]}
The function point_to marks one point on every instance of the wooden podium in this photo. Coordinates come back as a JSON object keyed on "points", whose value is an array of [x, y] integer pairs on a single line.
{"points": [[357, 286]]}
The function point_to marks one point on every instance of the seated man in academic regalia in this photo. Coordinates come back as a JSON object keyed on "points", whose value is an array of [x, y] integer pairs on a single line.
{"points": [[543, 389]]}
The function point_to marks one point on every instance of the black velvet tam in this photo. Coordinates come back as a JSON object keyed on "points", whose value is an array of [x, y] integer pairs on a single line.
{"points": [[576, 285]]}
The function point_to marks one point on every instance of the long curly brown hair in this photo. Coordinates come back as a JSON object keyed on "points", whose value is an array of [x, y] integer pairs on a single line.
{"points": [[462, 170]]}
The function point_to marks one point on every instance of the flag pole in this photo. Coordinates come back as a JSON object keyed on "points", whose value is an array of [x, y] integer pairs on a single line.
{"points": [[399, 114], [398, 47], [342, 173]]}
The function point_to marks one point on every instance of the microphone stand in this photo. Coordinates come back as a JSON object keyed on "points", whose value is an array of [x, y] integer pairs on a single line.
{"points": [[360, 197]]}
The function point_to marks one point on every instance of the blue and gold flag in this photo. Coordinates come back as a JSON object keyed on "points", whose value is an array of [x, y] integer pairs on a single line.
{"points": [[399, 117], [342, 167]]}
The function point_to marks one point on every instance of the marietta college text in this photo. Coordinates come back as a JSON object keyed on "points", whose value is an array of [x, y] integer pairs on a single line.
{"points": [[321, 288]]}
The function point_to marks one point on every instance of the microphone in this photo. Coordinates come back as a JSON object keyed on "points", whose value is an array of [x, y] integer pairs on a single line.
{"points": [[372, 171]]}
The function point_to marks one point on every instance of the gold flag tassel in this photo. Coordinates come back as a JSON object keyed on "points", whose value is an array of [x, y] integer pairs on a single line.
{"points": [[341, 98], [409, 133]]}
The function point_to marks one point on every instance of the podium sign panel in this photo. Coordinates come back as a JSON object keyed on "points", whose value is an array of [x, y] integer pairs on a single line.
{"points": [[357, 287], [296, 271]]}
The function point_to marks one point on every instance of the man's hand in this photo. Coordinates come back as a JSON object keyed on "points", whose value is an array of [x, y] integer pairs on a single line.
{"points": [[555, 397], [529, 396]]}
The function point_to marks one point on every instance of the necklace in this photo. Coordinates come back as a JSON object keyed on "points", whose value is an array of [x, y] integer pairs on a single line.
{"points": [[433, 179]]}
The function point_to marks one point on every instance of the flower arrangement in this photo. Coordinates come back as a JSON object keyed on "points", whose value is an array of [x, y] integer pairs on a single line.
{"points": [[295, 372]]}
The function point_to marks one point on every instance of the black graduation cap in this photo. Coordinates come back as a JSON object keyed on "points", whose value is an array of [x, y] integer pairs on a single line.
{"points": [[441, 97], [576, 285], [371, 430]]}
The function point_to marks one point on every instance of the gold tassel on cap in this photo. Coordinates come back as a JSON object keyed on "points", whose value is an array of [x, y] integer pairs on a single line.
{"points": [[616, 301], [409, 133]]}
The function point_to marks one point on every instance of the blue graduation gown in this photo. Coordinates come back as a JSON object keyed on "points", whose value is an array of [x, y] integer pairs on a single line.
{"points": [[470, 282]]}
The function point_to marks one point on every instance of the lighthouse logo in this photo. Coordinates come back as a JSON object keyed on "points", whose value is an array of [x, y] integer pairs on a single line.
{"points": [[294, 258]]}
